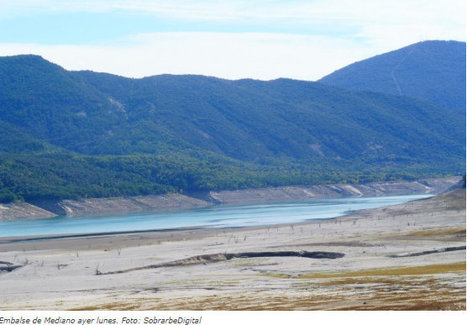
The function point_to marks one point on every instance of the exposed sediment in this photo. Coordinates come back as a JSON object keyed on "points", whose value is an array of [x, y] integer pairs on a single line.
{"points": [[23, 210], [152, 203], [159, 203], [432, 251], [409, 256], [99, 206], [213, 258], [8, 266], [425, 186]]}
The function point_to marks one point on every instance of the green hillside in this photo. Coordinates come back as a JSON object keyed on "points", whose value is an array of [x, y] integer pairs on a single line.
{"points": [[257, 121], [84, 134], [431, 71]]}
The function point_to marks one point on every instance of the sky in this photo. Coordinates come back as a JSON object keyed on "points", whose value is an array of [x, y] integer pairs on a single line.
{"points": [[232, 39]]}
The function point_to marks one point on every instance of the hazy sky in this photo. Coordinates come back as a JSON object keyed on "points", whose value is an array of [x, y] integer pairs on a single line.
{"points": [[261, 39]]}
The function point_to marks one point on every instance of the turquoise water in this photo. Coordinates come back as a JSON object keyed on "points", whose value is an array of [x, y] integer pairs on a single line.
{"points": [[211, 217]]}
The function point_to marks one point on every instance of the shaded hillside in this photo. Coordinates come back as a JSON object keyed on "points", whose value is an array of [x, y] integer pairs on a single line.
{"points": [[247, 120], [12, 140], [432, 71], [79, 134]]}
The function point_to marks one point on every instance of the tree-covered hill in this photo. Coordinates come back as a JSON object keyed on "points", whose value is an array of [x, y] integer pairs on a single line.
{"points": [[76, 134], [248, 120], [432, 71]]}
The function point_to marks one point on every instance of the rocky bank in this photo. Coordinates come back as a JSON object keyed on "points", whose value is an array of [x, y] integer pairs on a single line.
{"points": [[160, 203]]}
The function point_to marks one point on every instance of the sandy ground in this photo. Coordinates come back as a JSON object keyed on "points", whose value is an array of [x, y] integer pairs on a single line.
{"points": [[404, 257]]}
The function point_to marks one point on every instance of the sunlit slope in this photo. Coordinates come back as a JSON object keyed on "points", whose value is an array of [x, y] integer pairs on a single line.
{"points": [[432, 71]]}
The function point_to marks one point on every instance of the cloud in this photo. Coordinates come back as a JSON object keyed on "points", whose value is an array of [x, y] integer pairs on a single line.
{"points": [[226, 55], [325, 35], [301, 11]]}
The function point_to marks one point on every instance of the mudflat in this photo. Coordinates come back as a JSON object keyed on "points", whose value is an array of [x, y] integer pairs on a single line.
{"points": [[403, 257]]}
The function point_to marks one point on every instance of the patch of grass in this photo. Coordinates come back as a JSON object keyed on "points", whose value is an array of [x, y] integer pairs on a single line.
{"points": [[276, 275], [438, 232], [361, 280], [109, 306], [458, 267]]}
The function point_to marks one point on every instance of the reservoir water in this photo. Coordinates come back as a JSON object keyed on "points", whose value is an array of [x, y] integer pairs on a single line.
{"points": [[210, 217]]}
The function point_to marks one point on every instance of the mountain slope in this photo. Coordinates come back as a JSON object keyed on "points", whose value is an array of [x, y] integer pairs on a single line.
{"points": [[12, 140], [431, 71], [252, 120], [77, 134]]}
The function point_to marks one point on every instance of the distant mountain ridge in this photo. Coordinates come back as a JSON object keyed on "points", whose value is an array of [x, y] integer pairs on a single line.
{"points": [[75, 134], [92, 113], [432, 71]]}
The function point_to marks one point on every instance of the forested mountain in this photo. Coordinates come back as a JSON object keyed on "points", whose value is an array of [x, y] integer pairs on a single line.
{"points": [[76, 134], [431, 71]]}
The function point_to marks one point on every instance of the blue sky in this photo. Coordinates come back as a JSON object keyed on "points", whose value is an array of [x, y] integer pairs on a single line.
{"points": [[262, 39], [91, 28]]}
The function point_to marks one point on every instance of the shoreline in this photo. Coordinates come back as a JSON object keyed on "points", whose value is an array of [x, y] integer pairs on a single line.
{"points": [[172, 234], [191, 228], [181, 232], [406, 256], [174, 202]]}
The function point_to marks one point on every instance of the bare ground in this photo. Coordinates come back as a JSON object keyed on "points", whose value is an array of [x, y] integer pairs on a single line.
{"points": [[404, 257], [169, 202]]}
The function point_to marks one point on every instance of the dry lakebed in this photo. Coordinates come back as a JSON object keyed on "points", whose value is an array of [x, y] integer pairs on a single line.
{"points": [[409, 256]]}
